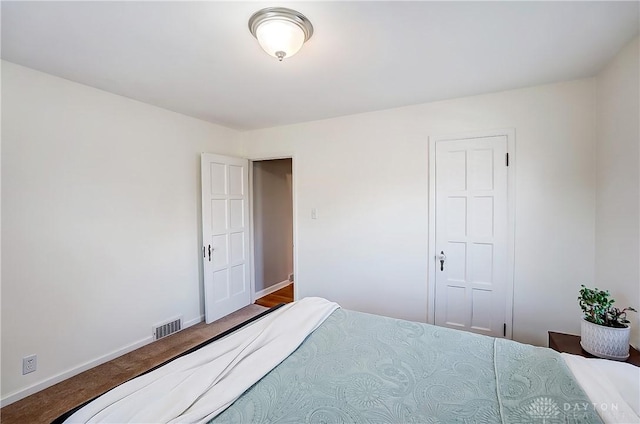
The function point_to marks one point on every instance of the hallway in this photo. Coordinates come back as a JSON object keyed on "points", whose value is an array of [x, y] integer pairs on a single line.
{"points": [[284, 295]]}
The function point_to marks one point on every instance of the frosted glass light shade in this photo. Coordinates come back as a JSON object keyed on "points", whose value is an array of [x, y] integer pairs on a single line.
{"points": [[280, 38], [281, 32]]}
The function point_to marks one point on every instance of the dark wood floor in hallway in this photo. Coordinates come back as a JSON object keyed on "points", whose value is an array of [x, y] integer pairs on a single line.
{"points": [[284, 295]]}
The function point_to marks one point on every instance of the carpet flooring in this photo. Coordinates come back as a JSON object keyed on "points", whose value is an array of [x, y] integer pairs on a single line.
{"points": [[48, 404]]}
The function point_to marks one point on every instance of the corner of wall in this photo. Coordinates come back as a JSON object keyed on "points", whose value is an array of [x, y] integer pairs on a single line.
{"points": [[617, 219]]}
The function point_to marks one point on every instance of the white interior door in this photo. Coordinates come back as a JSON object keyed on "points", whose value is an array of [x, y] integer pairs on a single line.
{"points": [[225, 234], [472, 230]]}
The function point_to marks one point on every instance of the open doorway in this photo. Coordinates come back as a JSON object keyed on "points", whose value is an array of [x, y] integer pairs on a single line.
{"points": [[272, 206]]}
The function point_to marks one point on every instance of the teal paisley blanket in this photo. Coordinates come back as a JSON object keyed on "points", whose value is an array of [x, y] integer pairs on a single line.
{"points": [[361, 368]]}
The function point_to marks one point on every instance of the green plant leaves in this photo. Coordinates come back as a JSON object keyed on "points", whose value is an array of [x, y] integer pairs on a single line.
{"points": [[598, 308]]}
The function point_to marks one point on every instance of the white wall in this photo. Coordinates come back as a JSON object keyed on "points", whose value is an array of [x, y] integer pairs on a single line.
{"points": [[618, 181], [100, 222], [367, 176], [273, 222]]}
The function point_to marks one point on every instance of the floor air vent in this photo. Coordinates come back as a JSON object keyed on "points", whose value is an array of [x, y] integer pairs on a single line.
{"points": [[166, 329]]}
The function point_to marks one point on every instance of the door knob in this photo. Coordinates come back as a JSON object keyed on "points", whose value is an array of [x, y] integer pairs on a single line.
{"points": [[209, 253], [442, 258]]}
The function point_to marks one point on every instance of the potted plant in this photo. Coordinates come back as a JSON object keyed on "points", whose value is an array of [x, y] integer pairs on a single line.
{"points": [[605, 329]]}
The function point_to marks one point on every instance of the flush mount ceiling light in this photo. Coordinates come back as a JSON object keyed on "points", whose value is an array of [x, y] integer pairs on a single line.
{"points": [[281, 32]]}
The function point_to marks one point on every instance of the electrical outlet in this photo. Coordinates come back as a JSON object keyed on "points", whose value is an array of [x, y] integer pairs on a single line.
{"points": [[29, 364]]}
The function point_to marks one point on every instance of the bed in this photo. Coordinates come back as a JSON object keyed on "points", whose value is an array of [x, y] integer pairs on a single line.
{"points": [[312, 361]]}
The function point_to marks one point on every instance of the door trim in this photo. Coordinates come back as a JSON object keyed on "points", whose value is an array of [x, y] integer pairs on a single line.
{"points": [[431, 224], [259, 158]]}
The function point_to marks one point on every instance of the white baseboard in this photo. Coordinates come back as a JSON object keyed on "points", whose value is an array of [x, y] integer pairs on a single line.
{"points": [[271, 289], [191, 322], [21, 394]]}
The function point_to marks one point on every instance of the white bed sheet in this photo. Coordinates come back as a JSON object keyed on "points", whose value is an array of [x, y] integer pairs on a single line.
{"points": [[196, 387], [613, 387]]}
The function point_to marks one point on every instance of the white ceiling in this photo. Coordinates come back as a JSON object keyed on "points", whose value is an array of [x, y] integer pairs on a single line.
{"points": [[198, 58]]}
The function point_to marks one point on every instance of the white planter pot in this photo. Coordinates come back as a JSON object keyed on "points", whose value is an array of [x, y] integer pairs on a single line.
{"points": [[605, 342]]}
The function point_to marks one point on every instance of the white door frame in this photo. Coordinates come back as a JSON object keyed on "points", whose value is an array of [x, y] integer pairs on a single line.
{"points": [[251, 225], [511, 192]]}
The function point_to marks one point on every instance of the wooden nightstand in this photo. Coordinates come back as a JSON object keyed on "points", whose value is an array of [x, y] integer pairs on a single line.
{"points": [[569, 343]]}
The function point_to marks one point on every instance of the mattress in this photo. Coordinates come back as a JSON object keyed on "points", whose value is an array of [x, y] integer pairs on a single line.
{"points": [[310, 362], [358, 368]]}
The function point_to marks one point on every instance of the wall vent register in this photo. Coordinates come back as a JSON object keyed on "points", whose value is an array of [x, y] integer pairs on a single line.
{"points": [[166, 329]]}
